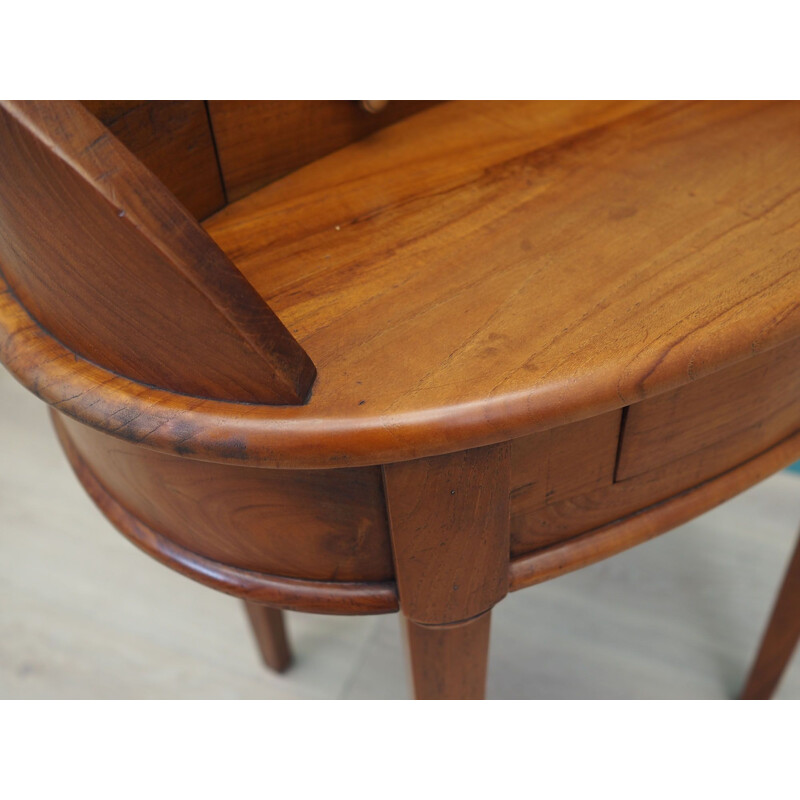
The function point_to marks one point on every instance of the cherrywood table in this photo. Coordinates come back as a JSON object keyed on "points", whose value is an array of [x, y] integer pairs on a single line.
{"points": [[356, 363]]}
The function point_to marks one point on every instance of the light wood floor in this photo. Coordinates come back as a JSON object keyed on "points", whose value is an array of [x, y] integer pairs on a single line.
{"points": [[83, 614]]}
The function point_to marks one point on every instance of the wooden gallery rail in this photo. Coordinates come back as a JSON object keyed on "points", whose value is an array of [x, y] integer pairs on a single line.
{"points": [[408, 360]]}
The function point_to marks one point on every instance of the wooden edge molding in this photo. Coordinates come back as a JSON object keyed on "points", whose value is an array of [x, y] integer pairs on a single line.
{"points": [[281, 437], [608, 540], [318, 597], [352, 598]]}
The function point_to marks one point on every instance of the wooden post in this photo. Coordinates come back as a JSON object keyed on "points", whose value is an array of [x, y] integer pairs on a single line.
{"points": [[270, 632], [780, 637], [449, 518]]}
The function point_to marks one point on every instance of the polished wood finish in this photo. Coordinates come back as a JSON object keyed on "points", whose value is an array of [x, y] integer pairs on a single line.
{"points": [[450, 533], [269, 629], [327, 525], [555, 466], [104, 258], [645, 522], [780, 638], [350, 315], [556, 331], [559, 463], [260, 141], [173, 139], [522, 266], [449, 662], [728, 417], [320, 597], [455, 507], [710, 426]]}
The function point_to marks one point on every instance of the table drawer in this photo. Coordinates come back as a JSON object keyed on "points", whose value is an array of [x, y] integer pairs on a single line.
{"points": [[716, 422], [673, 442]]}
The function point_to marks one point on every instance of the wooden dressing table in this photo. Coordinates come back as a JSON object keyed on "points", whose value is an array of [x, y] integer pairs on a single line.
{"points": [[353, 363]]}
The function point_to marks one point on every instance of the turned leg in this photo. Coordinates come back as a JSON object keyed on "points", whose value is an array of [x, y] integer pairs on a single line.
{"points": [[270, 632], [449, 520], [780, 638]]}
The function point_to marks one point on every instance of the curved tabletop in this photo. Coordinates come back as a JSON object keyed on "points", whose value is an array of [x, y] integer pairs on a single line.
{"points": [[485, 270]]}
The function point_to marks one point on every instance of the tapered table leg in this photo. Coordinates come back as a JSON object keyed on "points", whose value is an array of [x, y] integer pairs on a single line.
{"points": [[449, 662], [780, 638], [449, 519], [270, 632]]}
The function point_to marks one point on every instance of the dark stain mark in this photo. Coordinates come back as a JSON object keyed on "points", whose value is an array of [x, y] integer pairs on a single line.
{"points": [[232, 448]]}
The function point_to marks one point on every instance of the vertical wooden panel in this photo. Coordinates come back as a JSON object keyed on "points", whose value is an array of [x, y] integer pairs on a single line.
{"points": [[173, 140], [259, 141], [106, 260], [450, 532]]}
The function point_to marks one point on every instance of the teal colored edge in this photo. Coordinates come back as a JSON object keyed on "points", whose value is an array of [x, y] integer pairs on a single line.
{"points": [[794, 467]]}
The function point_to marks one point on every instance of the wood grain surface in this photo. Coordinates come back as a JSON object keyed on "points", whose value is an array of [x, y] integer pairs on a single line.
{"points": [[260, 141], [520, 263], [498, 269], [105, 259], [675, 441], [314, 524], [319, 597], [450, 533], [449, 663], [172, 138], [559, 463], [644, 522], [723, 419]]}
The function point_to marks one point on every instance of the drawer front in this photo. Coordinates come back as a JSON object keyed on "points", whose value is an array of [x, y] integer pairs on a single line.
{"points": [[549, 468], [718, 421], [674, 442]]}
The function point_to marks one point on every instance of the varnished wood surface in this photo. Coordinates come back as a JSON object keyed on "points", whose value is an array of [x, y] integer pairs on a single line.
{"points": [[449, 663], [727, 417], [678, 618], [269, 630], [587, 257], [172, 138], [556, 465], [643, 523], [320, 597], [105, 259], [260, 141], [780, 638], [670, 444], [449, 523], [313, 524], [611, 153], [428, 265]]}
